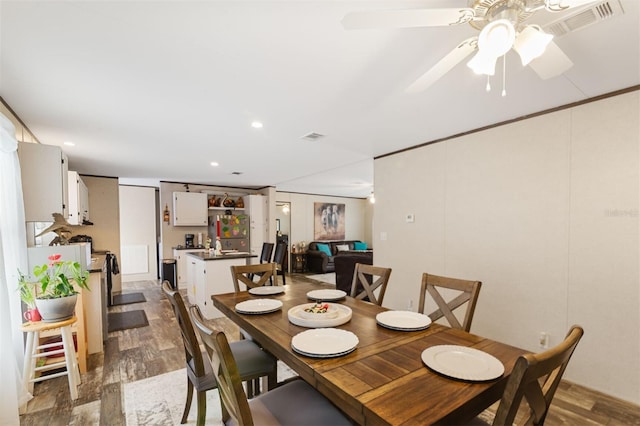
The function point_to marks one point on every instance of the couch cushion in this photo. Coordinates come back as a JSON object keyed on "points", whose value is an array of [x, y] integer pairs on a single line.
{"points": [[342, 247], [324, 248], [358, 245]]}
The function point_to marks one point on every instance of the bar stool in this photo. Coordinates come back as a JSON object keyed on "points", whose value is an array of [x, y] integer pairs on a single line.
{"points": [[32, 353]]}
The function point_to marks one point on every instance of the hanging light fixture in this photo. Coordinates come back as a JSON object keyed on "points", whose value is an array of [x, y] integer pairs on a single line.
{"points": [[495, 39], [531, 43]]}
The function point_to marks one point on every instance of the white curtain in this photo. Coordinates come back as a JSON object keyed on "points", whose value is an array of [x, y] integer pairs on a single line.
{"points": [[13, 256]]}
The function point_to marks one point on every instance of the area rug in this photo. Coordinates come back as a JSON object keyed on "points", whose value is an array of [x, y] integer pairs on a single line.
{"points": [[126, 320], [159, 400], [148, 401], [329, 278], [127, 298]]}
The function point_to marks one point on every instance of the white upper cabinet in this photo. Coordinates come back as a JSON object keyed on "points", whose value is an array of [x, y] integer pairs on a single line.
{"points": [[44, 181], [189, 209], [78, 199]]}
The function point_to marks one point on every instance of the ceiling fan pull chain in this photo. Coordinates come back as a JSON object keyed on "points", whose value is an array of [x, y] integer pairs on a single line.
{"points": [[504, 75], [488, 83]]}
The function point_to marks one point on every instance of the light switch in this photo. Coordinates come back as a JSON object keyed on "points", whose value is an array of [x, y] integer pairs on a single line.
{"points": [[383, 236]]}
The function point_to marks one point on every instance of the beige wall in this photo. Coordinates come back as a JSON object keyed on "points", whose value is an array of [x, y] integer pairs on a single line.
{"points": [[357, 223], [105, 214], [545, 213]]}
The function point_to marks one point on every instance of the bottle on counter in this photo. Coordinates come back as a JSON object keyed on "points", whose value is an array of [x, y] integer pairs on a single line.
{"points": [[218, 246], [207, 243]]}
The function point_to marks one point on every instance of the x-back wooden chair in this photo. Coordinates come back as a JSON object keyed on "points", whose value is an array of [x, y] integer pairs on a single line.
{"points": [[246, 274], [362, 289], [469, 294], [525, 381]]}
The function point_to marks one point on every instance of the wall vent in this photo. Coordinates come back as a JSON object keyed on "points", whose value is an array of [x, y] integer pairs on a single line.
{"points": [[236, 173], [584, 18], [313, 136]]}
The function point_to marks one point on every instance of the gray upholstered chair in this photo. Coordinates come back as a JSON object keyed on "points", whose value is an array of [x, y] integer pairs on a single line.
{"points": [[253, 362], [292, 403]]}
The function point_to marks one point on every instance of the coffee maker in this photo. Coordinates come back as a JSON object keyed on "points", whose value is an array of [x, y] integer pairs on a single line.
{"points": [[188, 241]]}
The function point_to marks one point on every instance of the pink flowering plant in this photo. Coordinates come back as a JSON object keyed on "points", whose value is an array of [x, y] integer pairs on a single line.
{"points": [[55, 279]]}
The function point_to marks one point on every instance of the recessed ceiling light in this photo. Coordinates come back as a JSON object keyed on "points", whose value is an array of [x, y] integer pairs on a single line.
{"points": [[68, 143], [214, 164], [256, 125]]}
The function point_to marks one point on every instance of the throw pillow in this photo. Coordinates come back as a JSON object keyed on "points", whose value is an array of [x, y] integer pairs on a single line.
{"points": [[324, 248], [342, 247], [358, 245]]}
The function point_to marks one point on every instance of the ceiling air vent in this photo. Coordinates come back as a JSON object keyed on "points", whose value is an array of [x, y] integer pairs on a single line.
{"points": [[313, 136], [236, 173], [585, 17]]}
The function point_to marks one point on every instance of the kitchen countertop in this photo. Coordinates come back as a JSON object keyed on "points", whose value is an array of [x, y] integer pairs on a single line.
{"points": [[188, 248], [97, 260], [204, 255]]}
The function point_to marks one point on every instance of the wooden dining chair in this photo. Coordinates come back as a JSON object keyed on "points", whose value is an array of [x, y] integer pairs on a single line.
{"points": [[279, 258], [253, 362], [246, 274], [267, 250], [468, 292], [265, 254], [293, 402], [368, 278], [536, 378]]}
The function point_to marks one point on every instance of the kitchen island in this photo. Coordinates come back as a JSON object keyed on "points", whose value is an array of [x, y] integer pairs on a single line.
{"points": [[209, 274]]}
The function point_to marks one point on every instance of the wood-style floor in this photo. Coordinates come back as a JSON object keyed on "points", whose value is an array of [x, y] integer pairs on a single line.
{"points": [[136, 354]]}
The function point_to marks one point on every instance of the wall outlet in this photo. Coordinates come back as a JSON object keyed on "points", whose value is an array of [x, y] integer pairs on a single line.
{"points": [[410, 305], [543, 340]]}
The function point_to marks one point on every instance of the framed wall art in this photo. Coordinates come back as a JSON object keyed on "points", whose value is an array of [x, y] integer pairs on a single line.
{"points": [[328, 221]]}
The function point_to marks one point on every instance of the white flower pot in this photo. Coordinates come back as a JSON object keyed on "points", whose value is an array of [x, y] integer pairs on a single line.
{"points": [[60, 309]]}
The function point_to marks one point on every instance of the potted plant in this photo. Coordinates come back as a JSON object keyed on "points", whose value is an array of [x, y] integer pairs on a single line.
{"points": [[55, 294], [28, 296]]}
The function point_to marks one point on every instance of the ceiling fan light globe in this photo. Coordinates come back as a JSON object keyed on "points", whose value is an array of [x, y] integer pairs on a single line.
{"points": [[497, 37], [531, 43], [483, 64]]}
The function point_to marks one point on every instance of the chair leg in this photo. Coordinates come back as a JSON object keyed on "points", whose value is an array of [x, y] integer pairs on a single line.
{"points": [[272, 379], [202, 408], [187, 404]]}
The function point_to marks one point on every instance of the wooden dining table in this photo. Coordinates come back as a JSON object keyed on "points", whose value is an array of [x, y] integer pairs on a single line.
{"points": [[384, 380]]}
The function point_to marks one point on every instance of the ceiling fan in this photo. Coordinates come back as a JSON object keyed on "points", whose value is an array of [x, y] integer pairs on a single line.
{"points": [[502, 25]]}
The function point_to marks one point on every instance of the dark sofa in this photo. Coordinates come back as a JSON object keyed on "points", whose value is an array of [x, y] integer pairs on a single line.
{"points": [[320, 262], [345, 264]]}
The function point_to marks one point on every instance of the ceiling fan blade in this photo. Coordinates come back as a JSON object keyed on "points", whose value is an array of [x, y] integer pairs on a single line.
{"points": [[560, 5], [443, 66], [552, 63], [387, 19]]}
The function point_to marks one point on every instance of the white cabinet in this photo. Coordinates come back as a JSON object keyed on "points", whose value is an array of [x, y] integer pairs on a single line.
{"points": [[257, 206], [209, 277], [78, 199], [182, 264], [44, 181], [189, 209]]}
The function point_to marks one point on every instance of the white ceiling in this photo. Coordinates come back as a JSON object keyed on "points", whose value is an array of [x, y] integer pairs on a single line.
{"points": [[159, 89]]}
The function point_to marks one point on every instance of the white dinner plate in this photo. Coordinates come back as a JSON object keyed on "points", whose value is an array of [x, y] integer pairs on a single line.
{"points": [[266, 290], [403, 320], [461, 362], [326, 295], [324, 342], [297, 317], [258, 306]]}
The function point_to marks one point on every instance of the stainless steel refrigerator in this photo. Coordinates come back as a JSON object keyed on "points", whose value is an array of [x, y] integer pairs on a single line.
{"points": [[233, 231]]}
